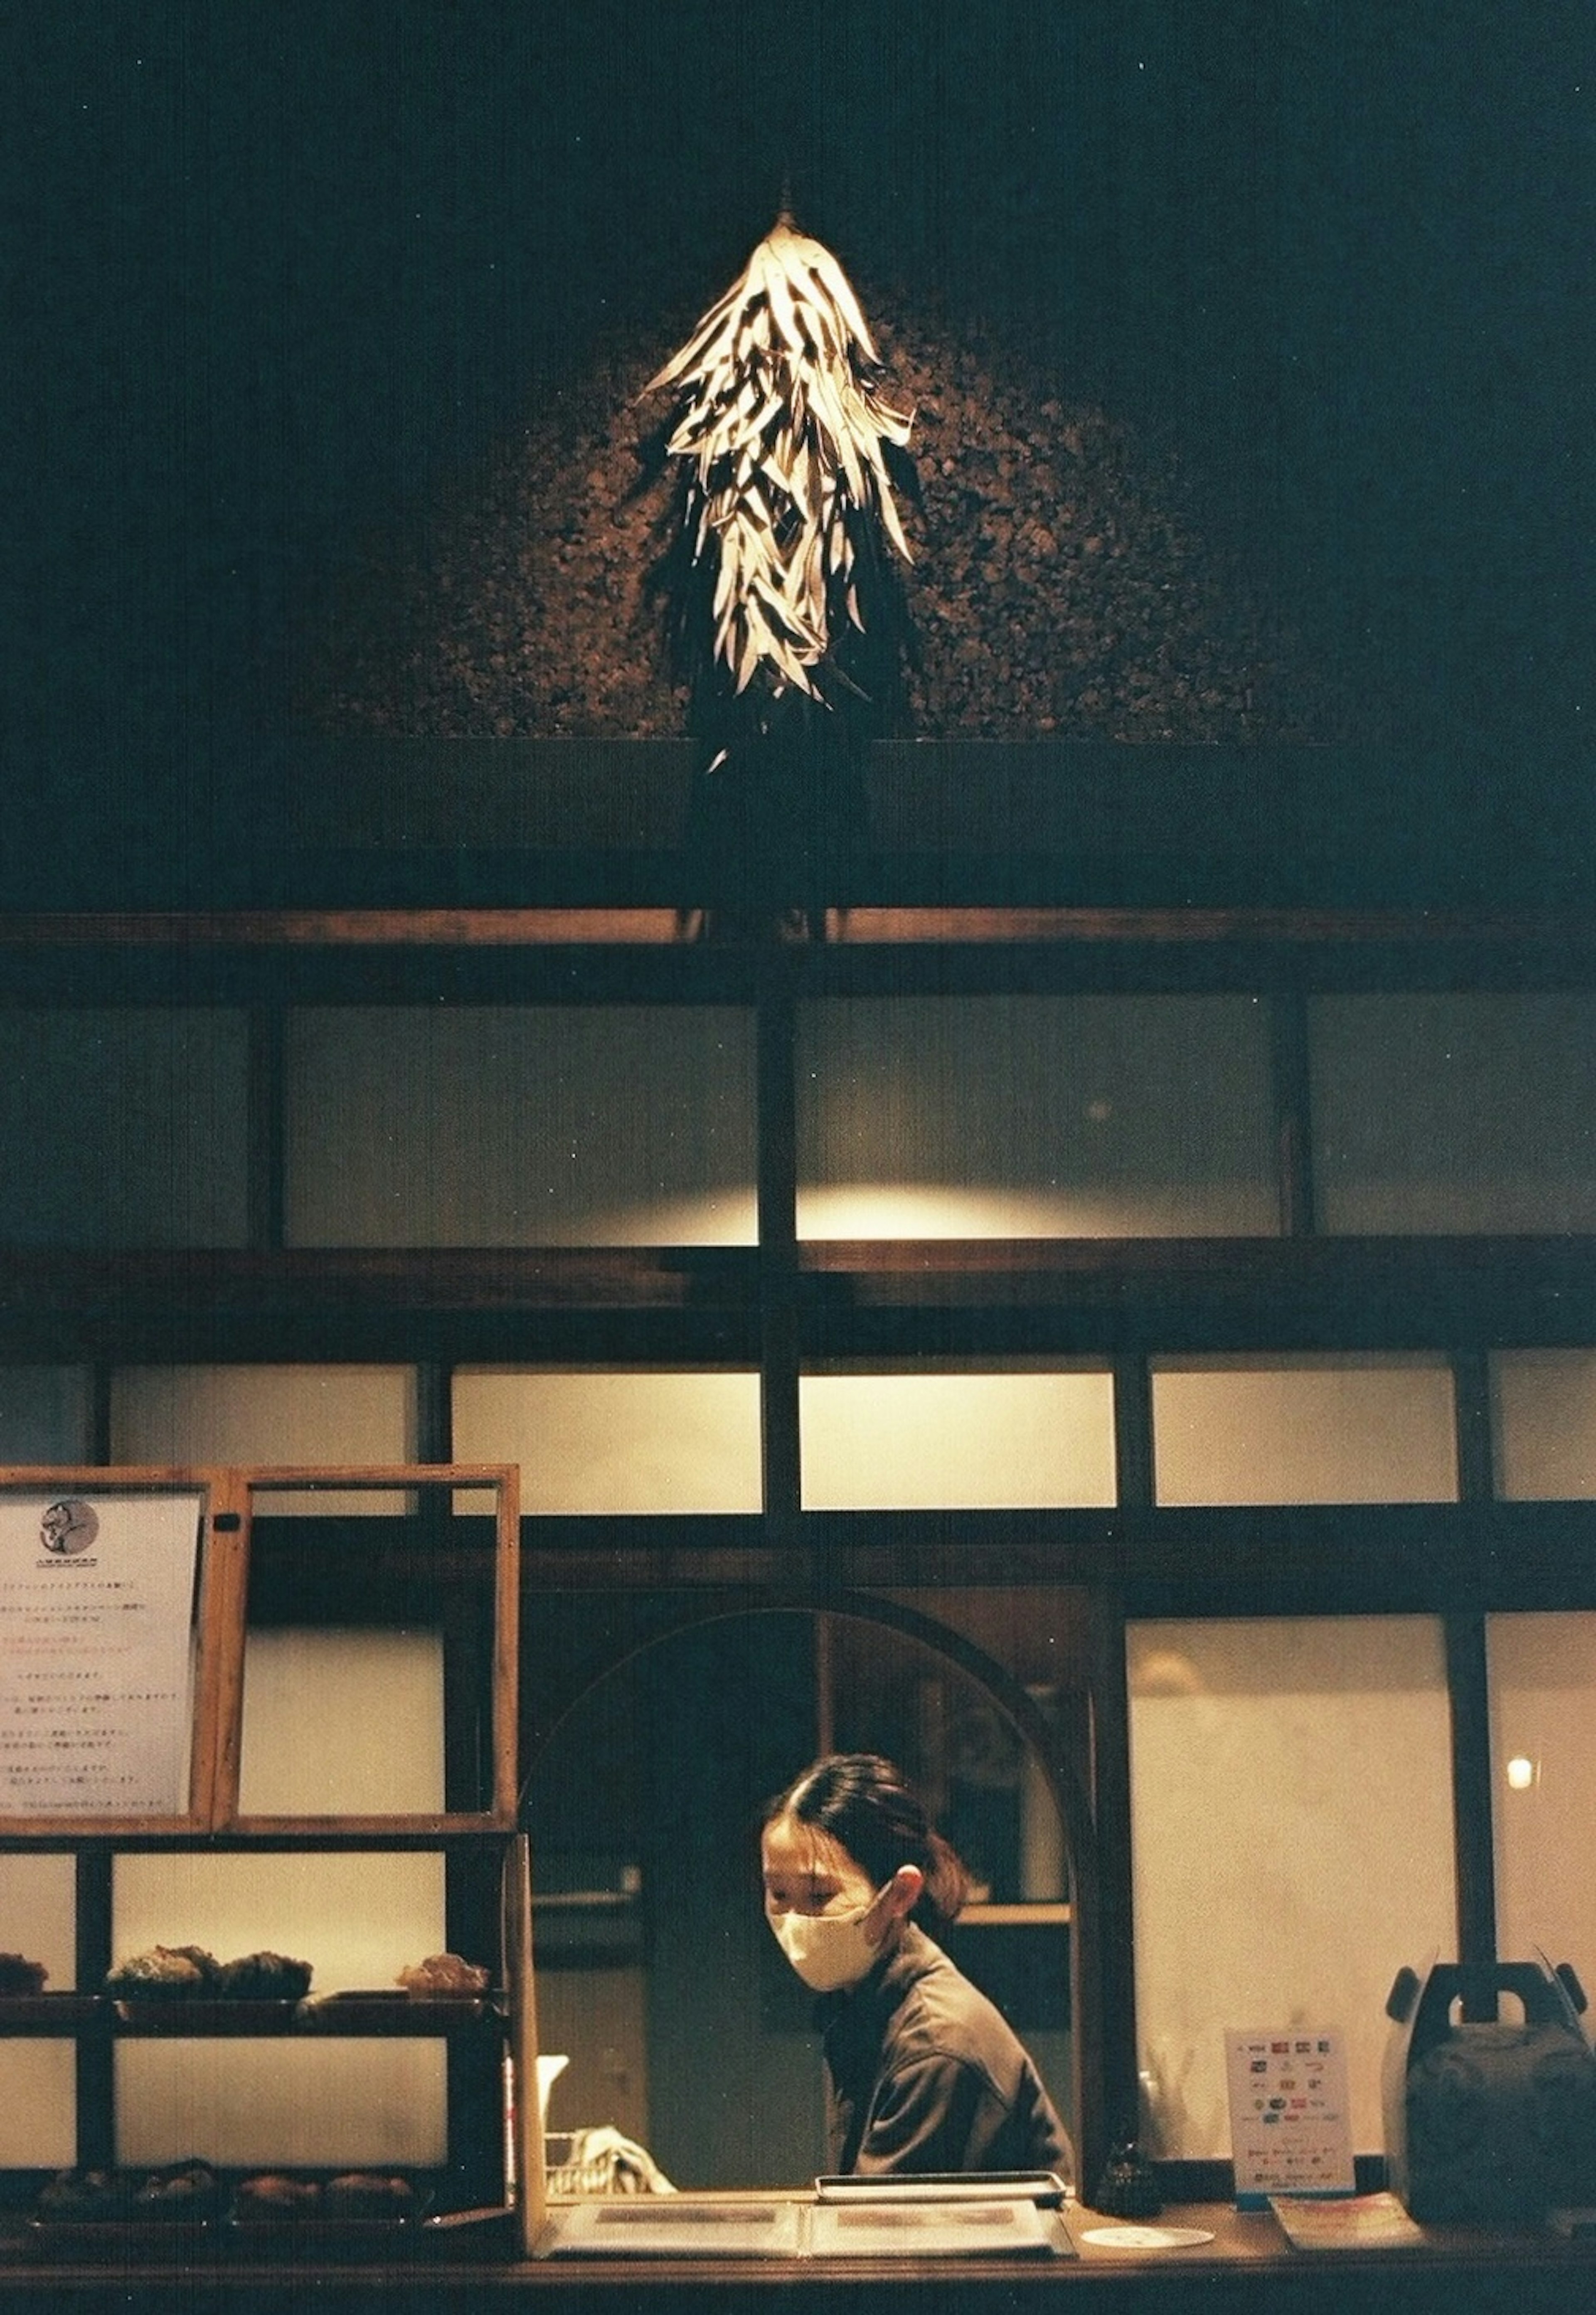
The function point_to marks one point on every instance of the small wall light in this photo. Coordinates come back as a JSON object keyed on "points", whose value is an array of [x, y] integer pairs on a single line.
{"points": [[1523, 1772]]}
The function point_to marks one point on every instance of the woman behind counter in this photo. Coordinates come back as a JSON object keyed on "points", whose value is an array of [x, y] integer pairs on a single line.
{"points": [[923, 2072]]}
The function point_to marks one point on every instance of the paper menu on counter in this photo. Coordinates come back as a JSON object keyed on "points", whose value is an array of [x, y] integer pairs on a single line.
{"points": [[1375, 2222], [96, 1672], [1290, 2126]]}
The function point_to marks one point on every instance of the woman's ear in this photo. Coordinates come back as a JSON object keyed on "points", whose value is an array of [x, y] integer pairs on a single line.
{"points": [[903, 1892]]}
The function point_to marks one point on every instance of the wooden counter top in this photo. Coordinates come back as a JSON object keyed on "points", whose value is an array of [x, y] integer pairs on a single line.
{"points": [[1249, 2265]]}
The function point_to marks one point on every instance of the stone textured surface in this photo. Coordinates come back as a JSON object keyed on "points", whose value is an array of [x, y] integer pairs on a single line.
{"points": [[1062, 585]]}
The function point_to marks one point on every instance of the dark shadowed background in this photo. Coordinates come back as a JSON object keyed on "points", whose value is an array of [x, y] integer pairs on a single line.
{"points": [[278, 282]]}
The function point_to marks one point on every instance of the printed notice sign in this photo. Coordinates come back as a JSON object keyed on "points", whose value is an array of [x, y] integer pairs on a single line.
{"points": [[96, 1654], [1291, 2128]]}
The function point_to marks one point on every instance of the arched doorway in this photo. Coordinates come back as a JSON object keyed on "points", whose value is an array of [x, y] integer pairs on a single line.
{"points": [[656, 1973]]}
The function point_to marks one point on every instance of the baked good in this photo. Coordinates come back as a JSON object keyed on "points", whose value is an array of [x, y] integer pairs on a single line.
{"points": [[367, 2195], [204, 1962], [443, 1977], [20, 1975], [277, 2194], [181, 2190], [263, 1977], [72, 2195], [164, 1973]]}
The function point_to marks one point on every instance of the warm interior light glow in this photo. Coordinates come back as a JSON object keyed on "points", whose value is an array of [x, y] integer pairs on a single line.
{"points": [[720, 1217], [878, 1210], [1523, 1772], [868, 1210]]}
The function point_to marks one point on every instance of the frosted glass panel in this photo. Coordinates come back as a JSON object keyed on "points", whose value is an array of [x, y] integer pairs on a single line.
{"points": [[1454, 1113], [1036, 1117], [341, 1723], [124, 1127], [1543, 1755], [614, 1440], [1370, 1430], [245, 2103], [44, 1415], [1293, 1846], [1544, 1417], [38, 2092], [269, 1415], [957, 1440], [38, 2105], [358, 1919], [38, 1915], [562, 1125]]}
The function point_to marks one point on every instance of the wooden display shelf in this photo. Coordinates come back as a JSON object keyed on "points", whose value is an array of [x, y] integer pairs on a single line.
{"points": [[228, 1500], [64, 2016]]}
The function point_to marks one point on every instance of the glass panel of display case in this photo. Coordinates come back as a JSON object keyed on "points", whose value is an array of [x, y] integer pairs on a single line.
{"points": [[378, 1671], [247, 2103], [599, 1439], [1344, 1429], [38, 1916], [959, 1437], [1543, 1411], [45, 1415], [124, 1127], [556, 1125], [358, 1919], [1292, 1840], [341, 1723], [38, 2104], [1439, 1112], [192, 1415], [1543, 1758], [1023, 1116]]}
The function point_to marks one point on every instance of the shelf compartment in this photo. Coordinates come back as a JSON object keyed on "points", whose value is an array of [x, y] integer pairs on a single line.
{"points": [[41, 2014], [358, 2016]]}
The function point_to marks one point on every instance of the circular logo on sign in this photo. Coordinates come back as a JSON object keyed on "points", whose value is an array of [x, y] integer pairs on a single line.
{"points": [[69, 1527]]}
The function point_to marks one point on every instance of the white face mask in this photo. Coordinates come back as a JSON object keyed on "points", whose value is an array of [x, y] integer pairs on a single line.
{"points": [[829, 1951]]}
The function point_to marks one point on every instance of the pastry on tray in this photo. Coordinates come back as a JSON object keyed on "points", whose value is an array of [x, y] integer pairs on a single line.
{"points": [[367, 2195], [73, 2196], [164, 1973], [271, 2197], [263, 1977], [182, 2191], [444, 1977], [167, 1973], [19, 1976], [278, 2195]]}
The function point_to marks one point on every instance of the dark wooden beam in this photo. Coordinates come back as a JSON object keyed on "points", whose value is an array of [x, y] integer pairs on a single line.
{"points": [[867, 1299]]}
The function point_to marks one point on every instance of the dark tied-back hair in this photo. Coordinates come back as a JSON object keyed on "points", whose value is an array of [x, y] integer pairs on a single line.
{"points": [[867, 1807]]}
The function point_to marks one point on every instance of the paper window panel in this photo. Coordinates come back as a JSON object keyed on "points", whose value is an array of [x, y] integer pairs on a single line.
{"points": [[1312, 1429], [124, 1127], [958, 1440], [1544, 1423], [1021, 1116], [267, 1416], [1442, 1113], [616, 1439], [1293, 1846], [489, 1125], [44, 1415], [1543, 1755]]}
